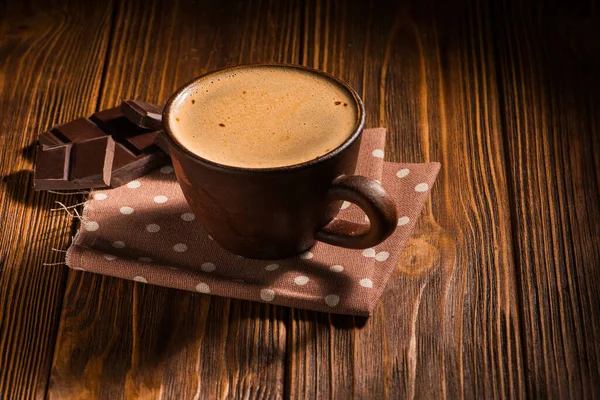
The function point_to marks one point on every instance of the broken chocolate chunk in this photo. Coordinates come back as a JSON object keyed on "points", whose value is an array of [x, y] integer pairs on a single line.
{"points": [[92, 160], [52, 166], [142, 114]]}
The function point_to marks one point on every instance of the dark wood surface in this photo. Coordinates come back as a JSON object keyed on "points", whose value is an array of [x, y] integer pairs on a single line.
{"points": [[496, 294]]}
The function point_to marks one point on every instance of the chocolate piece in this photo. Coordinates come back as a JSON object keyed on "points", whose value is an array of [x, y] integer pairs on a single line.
{"points": [[77, 131], [143, 114], [92, 160], [142, 141], [85, 164], [52, 166], [106, 149]]}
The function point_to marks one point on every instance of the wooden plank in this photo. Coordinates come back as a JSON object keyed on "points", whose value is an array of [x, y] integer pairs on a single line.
{"points": [[447, 325], [549, 55], [50, 67], [120, 339]]}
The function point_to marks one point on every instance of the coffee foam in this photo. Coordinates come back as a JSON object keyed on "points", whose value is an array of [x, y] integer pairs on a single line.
{"points": [[263, 116]]}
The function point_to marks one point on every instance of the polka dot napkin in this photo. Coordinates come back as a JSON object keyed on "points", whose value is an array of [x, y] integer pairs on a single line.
{"points": [[145, 231]]}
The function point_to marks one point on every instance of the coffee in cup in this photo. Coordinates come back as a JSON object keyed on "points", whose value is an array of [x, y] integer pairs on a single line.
{"points": [[263, 116]]}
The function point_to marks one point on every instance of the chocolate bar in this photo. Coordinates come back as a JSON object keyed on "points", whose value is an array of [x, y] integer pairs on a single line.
{"points": [[70, 151]]}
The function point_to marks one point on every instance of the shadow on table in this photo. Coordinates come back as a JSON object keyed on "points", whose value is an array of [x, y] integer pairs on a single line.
{"points": [[337, 321], [151, 334], [163, 328], [19, 186], [28, 152]]}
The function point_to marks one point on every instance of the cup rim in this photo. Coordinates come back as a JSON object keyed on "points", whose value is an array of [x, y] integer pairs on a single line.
{"points": [[327, 156]]}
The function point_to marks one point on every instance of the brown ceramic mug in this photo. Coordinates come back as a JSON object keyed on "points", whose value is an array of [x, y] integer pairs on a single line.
{"points": [[271, 213]]}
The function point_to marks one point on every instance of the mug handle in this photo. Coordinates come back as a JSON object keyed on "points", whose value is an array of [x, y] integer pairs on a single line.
{"points": [[372, 198]]}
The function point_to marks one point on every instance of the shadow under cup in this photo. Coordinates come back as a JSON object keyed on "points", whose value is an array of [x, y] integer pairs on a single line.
{"points": [[277, 212]]}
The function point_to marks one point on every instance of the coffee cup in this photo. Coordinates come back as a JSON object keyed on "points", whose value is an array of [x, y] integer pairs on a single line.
{"points": [[265, 156]]}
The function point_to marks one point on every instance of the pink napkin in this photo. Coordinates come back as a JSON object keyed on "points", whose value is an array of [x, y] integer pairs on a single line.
{"points": [[146, 232]]}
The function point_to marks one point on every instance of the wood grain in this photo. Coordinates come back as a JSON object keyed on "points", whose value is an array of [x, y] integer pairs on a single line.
{"points": [[447, 325], [496, 292], [550, 57], [50, 68], [139, 341]]}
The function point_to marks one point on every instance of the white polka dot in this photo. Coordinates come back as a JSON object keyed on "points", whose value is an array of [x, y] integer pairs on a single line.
{"points": [[345, 205], [118, 244], [402, 172], [301, 280], [126, 210], [188, 217], [153, 228], [100, 196], [369, 252], [145, 259], [366, 282], [109, 257], [167, 169], [332, 300], [421, 187], [306, 255], [267, 294], [377, 153], [91, 226], [208, 267], [403, 221], [272, 267], [79, 268], [160, 199], [140, 279], [202, 288], [382, 256], [180, 247], [367, 219], [134, 184], [336, 268]]}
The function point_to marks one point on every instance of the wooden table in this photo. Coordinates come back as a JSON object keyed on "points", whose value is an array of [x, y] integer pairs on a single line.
{"points": [[497, 293]]}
